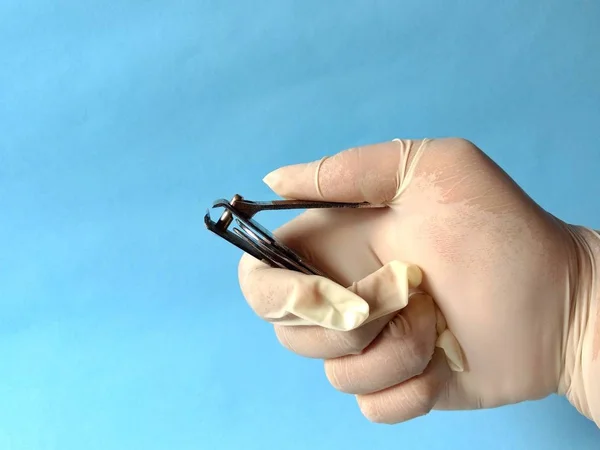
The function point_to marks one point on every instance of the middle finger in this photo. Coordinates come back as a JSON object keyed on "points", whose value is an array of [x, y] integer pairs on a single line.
{"points": [[386, 290]]}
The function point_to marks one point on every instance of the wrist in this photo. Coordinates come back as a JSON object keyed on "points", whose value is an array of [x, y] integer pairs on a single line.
{"points": [[580, 381]]}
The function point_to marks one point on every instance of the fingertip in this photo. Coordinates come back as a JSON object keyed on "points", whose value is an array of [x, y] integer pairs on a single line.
{"points": [[246, 265], [388, 288], [355, 317], [329, 305], [273, 180], [449, 346], [293, 181]]}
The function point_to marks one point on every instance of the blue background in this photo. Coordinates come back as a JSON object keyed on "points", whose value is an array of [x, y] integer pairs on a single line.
{"points": [[121, 321]]}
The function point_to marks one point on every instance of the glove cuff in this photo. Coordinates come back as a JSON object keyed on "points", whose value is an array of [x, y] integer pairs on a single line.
{"points": [[580, 380]]}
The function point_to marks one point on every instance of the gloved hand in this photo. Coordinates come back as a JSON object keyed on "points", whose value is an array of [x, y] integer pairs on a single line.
{"points": [[462, 294]]}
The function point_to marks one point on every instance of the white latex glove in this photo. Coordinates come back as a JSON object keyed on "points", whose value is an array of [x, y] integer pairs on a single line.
{"points": [[515, 289]]}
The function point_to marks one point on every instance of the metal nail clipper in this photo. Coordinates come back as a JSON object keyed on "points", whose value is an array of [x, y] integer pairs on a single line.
{"points": [[251, 237]]}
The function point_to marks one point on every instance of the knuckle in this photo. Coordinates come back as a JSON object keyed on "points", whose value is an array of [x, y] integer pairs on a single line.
{"points": [[460, 141], [460, 147], [309, 291], [418, 353], [404, 402], [423, 397], [422, 407], [301, 341], [247, 265], [354, 343], [337, 375], [283, 336], [244, 266], [350, 152], [417, 345], [261, 294], [247, 287]]}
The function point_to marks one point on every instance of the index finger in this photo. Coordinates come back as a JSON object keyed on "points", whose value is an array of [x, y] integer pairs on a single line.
{"points": [[373, 173]]}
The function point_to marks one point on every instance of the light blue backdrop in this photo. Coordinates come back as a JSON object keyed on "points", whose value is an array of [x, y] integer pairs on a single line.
{"points": [[121, 322]]}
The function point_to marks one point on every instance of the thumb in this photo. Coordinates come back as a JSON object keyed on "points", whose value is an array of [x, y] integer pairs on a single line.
{"points": [[375, 173]]}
